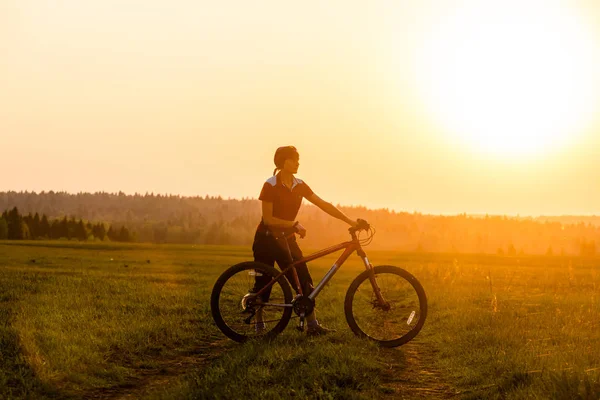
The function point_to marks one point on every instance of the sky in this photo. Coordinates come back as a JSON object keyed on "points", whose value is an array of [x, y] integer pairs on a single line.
{"points": [[439, 107]]}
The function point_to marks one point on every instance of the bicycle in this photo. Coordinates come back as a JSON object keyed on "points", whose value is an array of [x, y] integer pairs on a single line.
{"points": [[385, 303]]}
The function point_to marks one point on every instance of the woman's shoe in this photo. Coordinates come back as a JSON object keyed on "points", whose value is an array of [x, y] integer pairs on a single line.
{"points": [[318, 330]]}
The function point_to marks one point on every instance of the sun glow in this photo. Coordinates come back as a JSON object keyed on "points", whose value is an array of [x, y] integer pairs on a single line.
{"points": [[510, 78]]}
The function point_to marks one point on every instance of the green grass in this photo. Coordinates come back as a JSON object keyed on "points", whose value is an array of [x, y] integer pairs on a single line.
{"points": [[82, 319], [517, 333]]}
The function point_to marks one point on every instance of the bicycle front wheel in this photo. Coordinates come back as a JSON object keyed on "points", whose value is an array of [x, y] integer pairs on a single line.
{"points": [[241, 315], [395, 322]]}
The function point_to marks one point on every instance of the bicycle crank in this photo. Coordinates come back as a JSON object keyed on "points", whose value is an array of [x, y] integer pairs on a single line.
{"points": [[302, 305]]}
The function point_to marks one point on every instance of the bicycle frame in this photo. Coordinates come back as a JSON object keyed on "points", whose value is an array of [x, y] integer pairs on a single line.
{"points": [[350, 247]]}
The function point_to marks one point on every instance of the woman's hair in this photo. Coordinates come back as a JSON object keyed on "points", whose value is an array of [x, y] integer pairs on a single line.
{"points": [[282, 154]]}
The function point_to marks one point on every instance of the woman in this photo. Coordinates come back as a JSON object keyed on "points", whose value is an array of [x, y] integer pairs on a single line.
{"points": [[281, 198]]}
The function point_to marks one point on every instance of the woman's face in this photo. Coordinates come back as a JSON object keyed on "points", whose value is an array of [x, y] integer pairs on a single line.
{"points": [[291, 165]]}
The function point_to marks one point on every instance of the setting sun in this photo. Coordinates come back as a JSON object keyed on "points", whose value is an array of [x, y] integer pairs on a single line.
{"points": [[446, 97], [510, 78]]}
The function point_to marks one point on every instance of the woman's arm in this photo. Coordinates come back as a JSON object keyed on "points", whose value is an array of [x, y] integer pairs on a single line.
{"points": [[330, 209]]}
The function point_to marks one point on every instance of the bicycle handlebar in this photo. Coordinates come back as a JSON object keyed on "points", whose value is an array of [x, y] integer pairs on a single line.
{"points": [[362, 225]]}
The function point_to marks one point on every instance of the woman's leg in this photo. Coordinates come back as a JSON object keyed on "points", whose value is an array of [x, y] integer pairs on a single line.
{"points": [[303, 275], [263, 253], [307, 287]]}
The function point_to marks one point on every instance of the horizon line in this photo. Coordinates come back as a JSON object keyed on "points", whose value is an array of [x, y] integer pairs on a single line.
{"points": [[389, 209]]}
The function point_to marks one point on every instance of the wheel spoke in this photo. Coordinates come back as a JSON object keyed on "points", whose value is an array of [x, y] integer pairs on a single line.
{"points": [[396, 321], [249, 323]]}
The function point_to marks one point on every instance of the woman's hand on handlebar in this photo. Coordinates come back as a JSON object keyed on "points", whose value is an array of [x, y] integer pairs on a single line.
{"points": [[362, 224], [359, 225]]}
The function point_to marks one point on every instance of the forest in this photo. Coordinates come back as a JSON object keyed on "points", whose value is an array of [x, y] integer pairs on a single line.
{"points": [[14, 226], [161, 218]]}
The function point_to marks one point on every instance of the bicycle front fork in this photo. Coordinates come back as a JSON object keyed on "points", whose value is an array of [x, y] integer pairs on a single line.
{"points": [[384, 304]]}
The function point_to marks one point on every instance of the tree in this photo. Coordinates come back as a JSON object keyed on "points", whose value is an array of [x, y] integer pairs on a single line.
{"points": [[34, 228], [54, 230], [72, 226], [111, 233], [99, 231], [124, 235], [25, 231], [63, 229], [44, 230], [159, 233], [212, 236], [15, 225], [80, 232], [3, 229]]}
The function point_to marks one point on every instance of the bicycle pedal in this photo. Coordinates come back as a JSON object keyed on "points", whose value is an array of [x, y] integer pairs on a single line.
{"points": [[300, 326]]}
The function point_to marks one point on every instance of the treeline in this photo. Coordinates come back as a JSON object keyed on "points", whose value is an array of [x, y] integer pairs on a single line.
{"points": [[14, 226], [152, 218], [214, 220]]}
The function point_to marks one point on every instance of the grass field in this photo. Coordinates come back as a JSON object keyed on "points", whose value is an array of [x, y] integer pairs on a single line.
{"points": [[109, 321]]}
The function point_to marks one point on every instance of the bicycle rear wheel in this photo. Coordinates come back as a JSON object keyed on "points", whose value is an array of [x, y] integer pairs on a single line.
{"points": [[239, 314], [392, 324]]}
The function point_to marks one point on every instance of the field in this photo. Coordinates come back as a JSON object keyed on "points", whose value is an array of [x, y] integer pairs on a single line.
{"points": [[108, 321]]}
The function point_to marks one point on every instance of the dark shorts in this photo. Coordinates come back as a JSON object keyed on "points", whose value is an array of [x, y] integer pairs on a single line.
{"points": [[269, 249]]}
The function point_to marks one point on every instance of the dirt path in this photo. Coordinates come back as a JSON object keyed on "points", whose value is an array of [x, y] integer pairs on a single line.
{"points": [[412, 374], [167, 373]]}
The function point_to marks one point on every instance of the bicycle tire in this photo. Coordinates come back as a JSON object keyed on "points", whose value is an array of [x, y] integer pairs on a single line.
{"points": [[232, 330], [408, 283]]}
